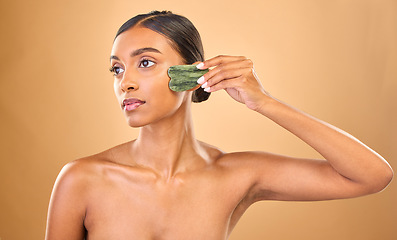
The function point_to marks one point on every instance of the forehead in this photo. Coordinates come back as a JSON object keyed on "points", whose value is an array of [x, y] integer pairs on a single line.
{"points": [[141, 37]]}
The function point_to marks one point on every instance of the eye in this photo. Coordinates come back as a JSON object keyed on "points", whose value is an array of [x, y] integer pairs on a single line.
{"points": [[145, 63], [116, 70]]}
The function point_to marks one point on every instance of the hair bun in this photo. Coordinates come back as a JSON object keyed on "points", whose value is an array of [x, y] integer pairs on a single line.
{"points": [[199, 95]]}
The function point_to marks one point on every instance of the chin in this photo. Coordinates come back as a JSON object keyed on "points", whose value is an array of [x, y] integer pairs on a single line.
{"points": [[136, 123]]}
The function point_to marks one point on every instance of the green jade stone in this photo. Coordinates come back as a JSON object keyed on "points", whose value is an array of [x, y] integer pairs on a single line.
{"points": [[184, 77]]}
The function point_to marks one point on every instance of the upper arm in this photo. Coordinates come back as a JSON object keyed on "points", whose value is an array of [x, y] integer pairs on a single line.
{"points": [[67, 206], [276, 177]]}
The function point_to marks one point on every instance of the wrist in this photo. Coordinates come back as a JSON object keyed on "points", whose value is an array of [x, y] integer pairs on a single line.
{"points": [[265, 104]]}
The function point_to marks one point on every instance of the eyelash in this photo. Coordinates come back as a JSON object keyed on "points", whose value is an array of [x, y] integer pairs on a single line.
{"points": [[145, 60], [115, 68]]}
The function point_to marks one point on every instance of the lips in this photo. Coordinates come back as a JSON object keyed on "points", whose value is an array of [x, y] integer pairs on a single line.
{"points": [[130, 104]]}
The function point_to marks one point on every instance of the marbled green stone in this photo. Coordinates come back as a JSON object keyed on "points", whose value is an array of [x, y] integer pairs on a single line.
{"points": [[184, 77]]}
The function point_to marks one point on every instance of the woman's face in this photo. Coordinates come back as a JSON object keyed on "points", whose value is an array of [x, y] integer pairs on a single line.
{"points": [[140, 60]]}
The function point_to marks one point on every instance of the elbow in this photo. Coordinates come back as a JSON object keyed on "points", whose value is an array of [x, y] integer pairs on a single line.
{"points": [[382, 179], [389, 174]]}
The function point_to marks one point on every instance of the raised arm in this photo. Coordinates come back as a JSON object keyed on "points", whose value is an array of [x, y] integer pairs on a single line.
{"points": [[351, 168]]}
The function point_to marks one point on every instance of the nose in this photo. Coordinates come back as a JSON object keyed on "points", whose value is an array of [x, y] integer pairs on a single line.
{"points": [[128, 82]]}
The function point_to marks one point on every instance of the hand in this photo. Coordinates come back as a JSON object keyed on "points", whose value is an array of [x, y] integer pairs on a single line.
{"points": [[236, 75]]}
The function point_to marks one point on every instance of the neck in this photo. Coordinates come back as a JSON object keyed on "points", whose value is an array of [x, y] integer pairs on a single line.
{"points": [[169, 146]]}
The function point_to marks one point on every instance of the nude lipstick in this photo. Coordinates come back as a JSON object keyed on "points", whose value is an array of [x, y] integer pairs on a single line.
{"points": [[130, 104]]}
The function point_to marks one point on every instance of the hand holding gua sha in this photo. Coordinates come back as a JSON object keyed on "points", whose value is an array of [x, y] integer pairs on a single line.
{"points": [[184, 77]]}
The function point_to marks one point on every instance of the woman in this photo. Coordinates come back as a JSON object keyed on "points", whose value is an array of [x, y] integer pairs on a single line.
{"points": [[166, 184]]}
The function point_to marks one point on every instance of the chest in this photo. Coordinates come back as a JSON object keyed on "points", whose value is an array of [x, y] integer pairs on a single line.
{"points": [[198, 207]]}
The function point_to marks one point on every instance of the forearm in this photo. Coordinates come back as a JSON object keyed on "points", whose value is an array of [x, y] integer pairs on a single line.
{"points": [[347, 155]]}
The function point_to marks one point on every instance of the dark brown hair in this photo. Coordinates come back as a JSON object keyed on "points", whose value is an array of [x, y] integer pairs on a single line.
{"points": [[180, 31]]}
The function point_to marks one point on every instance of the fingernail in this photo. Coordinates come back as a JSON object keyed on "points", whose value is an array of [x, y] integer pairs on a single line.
{"points": [[200, 65], [204, 85], [201, 80], [207, 89]]}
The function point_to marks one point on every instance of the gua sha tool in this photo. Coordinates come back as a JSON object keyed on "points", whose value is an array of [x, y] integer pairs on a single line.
{"points": [[184, 77]]}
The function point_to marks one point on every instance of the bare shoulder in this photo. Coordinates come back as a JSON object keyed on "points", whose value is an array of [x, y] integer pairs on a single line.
{"points": [[73, 180], [82, 172], [248, 159], [213, 152], [79, 178], [78, 171], [72, 194], [108, 166]]}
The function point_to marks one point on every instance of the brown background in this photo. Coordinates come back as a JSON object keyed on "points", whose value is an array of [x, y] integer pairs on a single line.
{"points": [[336, 60]]}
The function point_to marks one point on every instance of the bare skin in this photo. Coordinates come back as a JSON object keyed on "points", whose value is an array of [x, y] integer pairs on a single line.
{"points": [[168, 185]]}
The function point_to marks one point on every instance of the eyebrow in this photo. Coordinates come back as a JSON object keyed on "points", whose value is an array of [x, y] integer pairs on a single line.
{"points": [[139, 52]]}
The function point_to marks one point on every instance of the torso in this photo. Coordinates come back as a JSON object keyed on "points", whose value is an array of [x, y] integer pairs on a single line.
{"points": [[130, 202]]}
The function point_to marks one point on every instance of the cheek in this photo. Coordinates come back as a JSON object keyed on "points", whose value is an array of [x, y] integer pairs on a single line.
{"points": [[166, 102], [159, 90], [116, 88]]}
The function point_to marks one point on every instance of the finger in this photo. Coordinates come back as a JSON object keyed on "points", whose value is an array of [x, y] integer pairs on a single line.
{"points": [[227, 70], [230, 83], [228, 74], [230, 64], [212, 62]]}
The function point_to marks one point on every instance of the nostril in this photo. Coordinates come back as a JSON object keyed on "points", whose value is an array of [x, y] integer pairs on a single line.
{"points": [[128, 86]]}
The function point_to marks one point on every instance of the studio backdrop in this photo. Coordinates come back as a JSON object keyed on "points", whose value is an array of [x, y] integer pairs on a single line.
{"points": [[336, 60]]}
